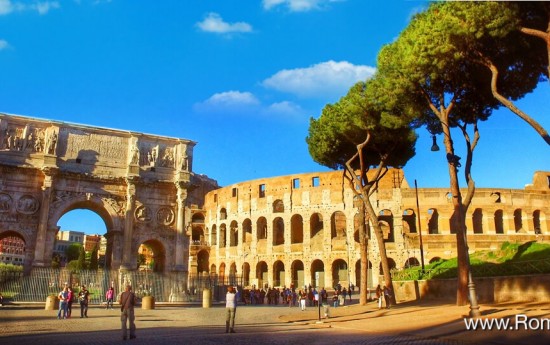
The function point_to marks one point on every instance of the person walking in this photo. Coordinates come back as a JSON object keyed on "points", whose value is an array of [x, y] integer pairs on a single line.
{"points": [[231, 309], [70, 300], [110, 296], [127, 301], [387, 296], [379, 295], [83, 299], [63, 300]]}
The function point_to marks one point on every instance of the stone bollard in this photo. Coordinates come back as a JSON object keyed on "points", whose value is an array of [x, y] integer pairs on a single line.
{"points": [[148, 302], [206, 298], [52, 303]]}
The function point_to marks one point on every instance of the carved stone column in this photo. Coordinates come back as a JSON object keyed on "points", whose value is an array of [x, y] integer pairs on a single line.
{"points": [[129, 226], [182, 240], [40, 259]]}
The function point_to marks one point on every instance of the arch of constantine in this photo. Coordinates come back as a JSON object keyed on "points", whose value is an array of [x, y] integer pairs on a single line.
{"points": [[299, 229], [139, 184]]}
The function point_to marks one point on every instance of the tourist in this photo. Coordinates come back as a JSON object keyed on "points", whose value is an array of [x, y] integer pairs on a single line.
{"points": [[231, 309], [379, 296], [349, 291], [127, 301], [303, 298], [110, 296], [387, 296], [83, 299], [1, 300], [63, 302], [70, 301]]}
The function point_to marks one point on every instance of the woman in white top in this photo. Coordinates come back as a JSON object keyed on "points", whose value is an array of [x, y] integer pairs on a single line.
{"points": [[231, 308]]}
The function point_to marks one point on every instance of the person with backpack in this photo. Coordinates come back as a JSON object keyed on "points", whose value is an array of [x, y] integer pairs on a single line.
{"points": [[83, 299]]}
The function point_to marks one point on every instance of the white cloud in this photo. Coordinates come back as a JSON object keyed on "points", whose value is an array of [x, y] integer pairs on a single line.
{"points": [[284, 108], [297, 5], [42, 7], [6, 7], [214, 23], [321, 80], [3, 44], [229, 101], [245, 103]]}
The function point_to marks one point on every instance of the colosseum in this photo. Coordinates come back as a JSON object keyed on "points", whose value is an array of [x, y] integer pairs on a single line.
{"points": [[302, 229]]}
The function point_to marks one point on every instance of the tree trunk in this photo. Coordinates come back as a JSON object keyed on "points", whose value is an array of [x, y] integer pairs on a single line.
{"points": [[363, 240], [381, 244], [459, 220]]}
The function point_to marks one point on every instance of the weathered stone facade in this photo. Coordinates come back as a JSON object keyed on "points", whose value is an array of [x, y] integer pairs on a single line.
{"points": [[139, 184], [302, 229]]}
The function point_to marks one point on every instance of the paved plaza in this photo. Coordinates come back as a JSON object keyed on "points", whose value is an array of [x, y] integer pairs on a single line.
{"points": [[409, 323]]}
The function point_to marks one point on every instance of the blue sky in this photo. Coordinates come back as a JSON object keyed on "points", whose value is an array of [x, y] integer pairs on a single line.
{"points": [[242, 78]]}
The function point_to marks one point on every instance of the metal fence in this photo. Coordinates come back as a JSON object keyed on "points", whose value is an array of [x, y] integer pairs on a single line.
{"points": [[165, 286]]}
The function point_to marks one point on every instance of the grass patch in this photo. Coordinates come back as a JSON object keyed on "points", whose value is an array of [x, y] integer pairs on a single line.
{"points": [[510, 259]]}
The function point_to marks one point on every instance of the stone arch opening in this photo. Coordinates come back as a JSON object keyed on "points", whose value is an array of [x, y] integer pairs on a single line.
{"points": [[233, 234], [435, 259], [340, 273], [246, 274], [391, 263], [317, 273], [99, 222], [537, 224], [499, 222], [278, 273], [223, 214], [261, 274], [518, 220], [233, 274], [278, 231], [152, 255], [338, 225], [247, 231], [477, 220], [221, 273], [203, 258], [297, 268], [197, 234], [296, 229], [409, 221], [214, 235], [358, 272], [411, 262], [433, 221], [315, 225], [223, 236], [385, 219], [261, 228]]}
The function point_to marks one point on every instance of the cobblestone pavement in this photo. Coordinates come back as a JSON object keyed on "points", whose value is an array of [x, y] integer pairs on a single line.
{"points": [[404, 324]]}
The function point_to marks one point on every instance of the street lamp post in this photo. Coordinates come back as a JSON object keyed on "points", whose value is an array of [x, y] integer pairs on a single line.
{"points": [[419, 223]]}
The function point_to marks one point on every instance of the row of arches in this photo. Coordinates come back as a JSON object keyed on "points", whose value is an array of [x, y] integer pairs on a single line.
{"points": [[317, 273], [228, 235]]}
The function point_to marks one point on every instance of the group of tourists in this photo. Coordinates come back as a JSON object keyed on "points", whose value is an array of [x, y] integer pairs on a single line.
{"points": [[66, 299], [384, 293], [127, 301], [292, 297]]}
